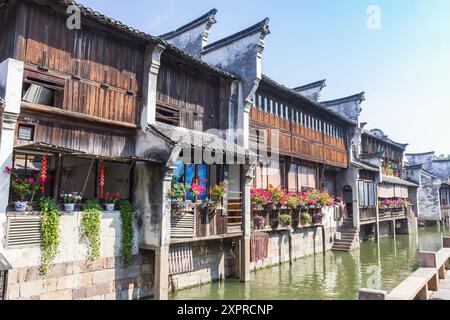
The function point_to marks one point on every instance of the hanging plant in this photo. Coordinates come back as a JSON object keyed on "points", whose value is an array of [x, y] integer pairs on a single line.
{"points": [[50, 232], [90, 228], [127, 212]]}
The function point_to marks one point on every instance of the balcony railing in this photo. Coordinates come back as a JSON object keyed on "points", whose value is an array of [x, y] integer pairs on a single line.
{"points": [[299, 141], [193, 221], [386, 213], [368, 213]]}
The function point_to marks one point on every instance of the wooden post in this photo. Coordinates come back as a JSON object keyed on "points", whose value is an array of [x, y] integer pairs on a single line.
{"points": [[446, 242], [290, 246], [324, 244]]}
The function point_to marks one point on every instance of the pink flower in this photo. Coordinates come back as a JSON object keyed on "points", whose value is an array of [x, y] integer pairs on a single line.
{"points": [[17, 180], [7, 170], [31, 180]]}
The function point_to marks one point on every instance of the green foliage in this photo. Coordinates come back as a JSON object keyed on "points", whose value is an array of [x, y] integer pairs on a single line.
{"points": [[177, 191], [50, 232], [286, 219], [305, 217], [127, 212], [90, 228]]}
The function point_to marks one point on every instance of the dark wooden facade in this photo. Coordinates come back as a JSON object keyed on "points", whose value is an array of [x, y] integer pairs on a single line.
{"points": [[189, 97], [96, 77], [315, 143], [392, 154]]}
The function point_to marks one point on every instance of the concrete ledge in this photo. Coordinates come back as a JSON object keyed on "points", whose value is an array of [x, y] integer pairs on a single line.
{"points": [[371, 294]]}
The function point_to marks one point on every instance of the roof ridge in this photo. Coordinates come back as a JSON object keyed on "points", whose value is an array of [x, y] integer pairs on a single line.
{"points": [[207, 17], [262, 26], [311, 85], [358, 96]]}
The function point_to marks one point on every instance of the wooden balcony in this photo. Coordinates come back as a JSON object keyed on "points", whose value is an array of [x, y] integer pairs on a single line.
{"points": [[367, 214], [192, 222], [298, 141], [392, 213]]}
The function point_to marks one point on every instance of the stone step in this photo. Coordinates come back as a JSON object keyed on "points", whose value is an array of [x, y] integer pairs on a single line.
{"points": [[339, 249], [341, 246]]}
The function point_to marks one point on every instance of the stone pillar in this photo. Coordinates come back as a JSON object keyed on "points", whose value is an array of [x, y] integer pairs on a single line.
{"points": [[244, 250], [221, 266], [161, 289], [11, 78], [152, 64]]}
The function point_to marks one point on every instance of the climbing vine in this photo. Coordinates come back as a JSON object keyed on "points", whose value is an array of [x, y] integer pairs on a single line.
{"points": [[90, 228], [50, 232], [126, 217]]}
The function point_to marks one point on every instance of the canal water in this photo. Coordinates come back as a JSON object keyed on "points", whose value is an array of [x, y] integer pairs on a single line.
{"points": [[335, 276]]}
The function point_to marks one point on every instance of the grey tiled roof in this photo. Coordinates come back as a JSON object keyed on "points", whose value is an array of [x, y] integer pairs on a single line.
{"points": [[386, 139], [365, 165], [301, 97], [110, 22], [398, 181], [201, 140]]}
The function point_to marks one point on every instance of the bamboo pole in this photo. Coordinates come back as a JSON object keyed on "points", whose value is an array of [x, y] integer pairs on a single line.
{"points": [[87, 178]]}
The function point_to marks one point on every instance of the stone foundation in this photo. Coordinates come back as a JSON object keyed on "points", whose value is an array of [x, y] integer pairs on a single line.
{"points": [[103, 279], [305, 242], [211, 263]]}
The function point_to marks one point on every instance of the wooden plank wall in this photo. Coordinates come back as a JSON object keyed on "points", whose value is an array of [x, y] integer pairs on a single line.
{"points": [[193, 92], [7, 32], [108, 69], [92, 140], [300, 142]]}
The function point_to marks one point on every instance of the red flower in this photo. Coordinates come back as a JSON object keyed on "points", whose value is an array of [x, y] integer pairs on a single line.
{"points": [[7, 170]]}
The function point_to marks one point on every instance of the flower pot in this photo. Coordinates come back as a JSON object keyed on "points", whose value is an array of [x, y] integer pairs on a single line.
{"points": [[20, 206], [69, 207], [110, 206]]}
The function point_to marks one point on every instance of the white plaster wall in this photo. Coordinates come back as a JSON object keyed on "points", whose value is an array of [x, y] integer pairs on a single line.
{"points": [[191, 41], [71, 248]]}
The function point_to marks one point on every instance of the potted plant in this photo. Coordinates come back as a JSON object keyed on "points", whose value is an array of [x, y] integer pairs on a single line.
{"points": [[260, 198], [176, 195], [70, 200], [277, 197], [22, 186], [111, 200], [218, 193], [286, 219], [305, 218], [259, 222]]}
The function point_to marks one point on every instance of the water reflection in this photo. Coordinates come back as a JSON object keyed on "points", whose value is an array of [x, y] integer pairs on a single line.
{"points": [[334, 276]]}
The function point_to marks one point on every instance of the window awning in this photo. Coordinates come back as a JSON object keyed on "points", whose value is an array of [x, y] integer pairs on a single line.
{"points": [[398, 181], [44, 148], [200, 140]]}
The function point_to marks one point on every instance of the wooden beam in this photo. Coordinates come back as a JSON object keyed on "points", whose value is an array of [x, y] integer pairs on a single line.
{"points": [[37, 108]]}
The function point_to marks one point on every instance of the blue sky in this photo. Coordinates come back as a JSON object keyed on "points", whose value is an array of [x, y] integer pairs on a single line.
{"points": [[404, 67]]}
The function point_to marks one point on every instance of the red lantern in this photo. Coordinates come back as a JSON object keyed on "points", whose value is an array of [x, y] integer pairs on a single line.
{"points": [[102, 179], [43, 176]]}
